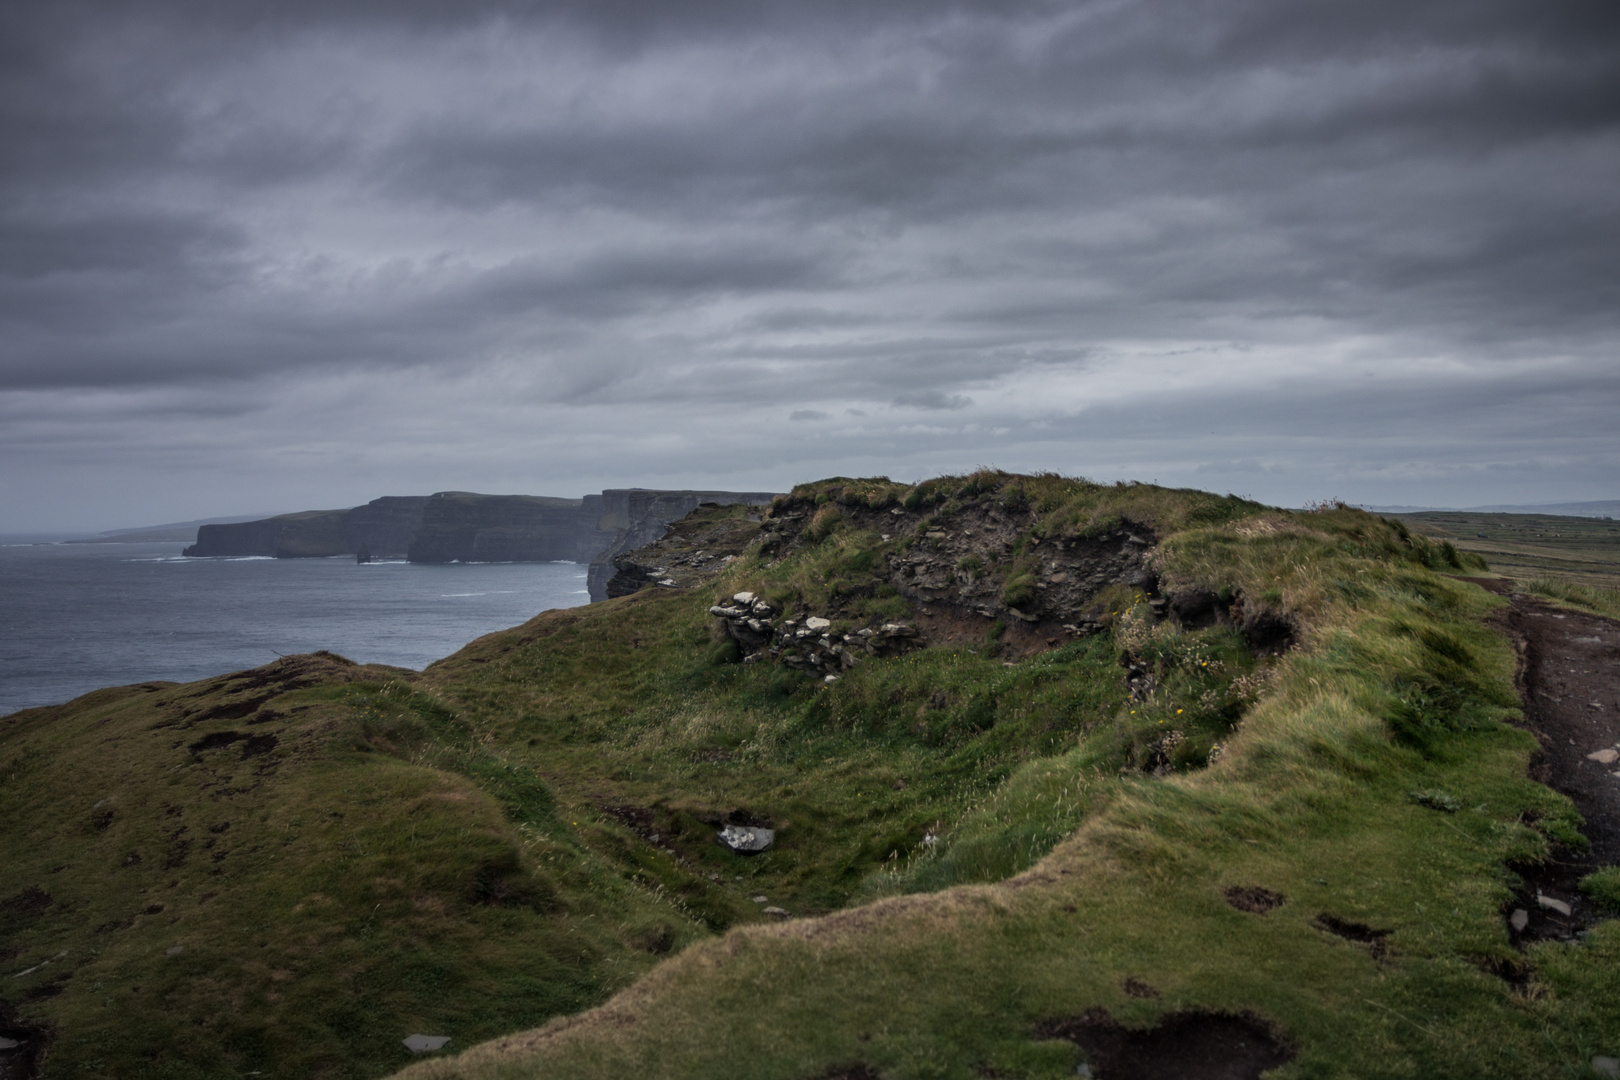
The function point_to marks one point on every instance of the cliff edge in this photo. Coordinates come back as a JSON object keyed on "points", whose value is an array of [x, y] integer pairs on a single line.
{"points": [[464, 526]]}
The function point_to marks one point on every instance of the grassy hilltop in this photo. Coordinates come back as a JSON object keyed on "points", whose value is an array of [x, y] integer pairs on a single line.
{"points": [[1092, 756]]}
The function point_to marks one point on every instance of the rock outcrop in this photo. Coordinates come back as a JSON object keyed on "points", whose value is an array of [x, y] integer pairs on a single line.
{"points": [[966, 568], [631, 518], [690, 553], [808, 643]]}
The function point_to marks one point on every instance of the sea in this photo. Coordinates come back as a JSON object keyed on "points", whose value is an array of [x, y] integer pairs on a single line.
{"points": [[77, 617]]}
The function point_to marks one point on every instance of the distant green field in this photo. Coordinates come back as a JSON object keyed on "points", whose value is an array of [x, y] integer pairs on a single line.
{"points": [[1573, 559], [1581, 550]]}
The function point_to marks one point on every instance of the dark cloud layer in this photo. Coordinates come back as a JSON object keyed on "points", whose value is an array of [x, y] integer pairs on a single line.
{"points": [[310, 252]]}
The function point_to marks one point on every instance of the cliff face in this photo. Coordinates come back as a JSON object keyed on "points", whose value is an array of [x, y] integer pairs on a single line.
{"points": [[635, 517], [460, 526], [383, 526]]}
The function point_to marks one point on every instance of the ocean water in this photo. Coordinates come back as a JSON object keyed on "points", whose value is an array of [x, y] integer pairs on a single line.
{"points": [[76, 617]]}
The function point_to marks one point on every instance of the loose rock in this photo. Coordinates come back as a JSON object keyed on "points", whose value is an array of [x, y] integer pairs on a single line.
{"points": [[423, 1044], [746, 839], [1552, 904]]}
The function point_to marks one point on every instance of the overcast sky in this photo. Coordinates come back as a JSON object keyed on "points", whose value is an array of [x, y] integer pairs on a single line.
{"points": [[281, 255]]}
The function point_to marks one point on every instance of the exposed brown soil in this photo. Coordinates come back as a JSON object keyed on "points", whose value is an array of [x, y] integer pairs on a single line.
{"points": [[1253, 898], [1569, 681], [1136, 988], [1360, 933], [27, 903], [1185, 1045]]}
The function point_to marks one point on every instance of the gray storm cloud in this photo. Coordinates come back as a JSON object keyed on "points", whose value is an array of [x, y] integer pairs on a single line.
{"points": [[301, 254]]}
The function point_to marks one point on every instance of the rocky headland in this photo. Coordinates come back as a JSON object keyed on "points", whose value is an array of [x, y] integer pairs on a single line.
{"points": [[462, 526]]}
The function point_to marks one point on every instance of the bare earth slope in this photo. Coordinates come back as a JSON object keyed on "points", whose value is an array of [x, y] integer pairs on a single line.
{"points": [[1569, 679]]}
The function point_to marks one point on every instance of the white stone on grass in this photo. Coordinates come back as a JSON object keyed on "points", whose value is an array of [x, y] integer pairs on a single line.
{"points": [[746, 839], [1552, 904], [425, 1044]]}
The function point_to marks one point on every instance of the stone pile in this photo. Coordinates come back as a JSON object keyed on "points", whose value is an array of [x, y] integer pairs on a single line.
{"points": [[807, 642]]}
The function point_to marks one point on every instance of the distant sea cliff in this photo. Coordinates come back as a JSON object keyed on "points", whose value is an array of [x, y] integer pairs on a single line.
{"points": [[461, 526]]}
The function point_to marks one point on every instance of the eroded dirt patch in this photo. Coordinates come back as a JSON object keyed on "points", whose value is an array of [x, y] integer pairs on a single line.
{"points": [[1186, 1045], [1360, 933], [1569, 683], [1253, 898], [26, 904], [1136, 988]]}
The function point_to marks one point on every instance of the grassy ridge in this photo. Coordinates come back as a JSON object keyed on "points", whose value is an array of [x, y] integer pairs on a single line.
{"points": [[526, 828], [209, 910], [1397, 687]]}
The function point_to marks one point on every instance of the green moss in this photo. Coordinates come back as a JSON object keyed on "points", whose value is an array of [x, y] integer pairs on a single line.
{"points": [[1603, 887]]}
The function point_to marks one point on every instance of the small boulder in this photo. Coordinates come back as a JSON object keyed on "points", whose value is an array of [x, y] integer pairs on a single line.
{"points": [[746, 839], [744, 599], [1606, 756], [816, 624], [425, 1044], [1607, 1067], [778, 912], [1519, 920]]}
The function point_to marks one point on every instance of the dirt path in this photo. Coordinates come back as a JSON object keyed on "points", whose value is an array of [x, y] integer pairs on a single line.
{"points": [[1569, 681]]}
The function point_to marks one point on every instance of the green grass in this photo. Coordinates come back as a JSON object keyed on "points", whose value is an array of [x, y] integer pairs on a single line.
{"points": [[1602, 599], [525, 830]]}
